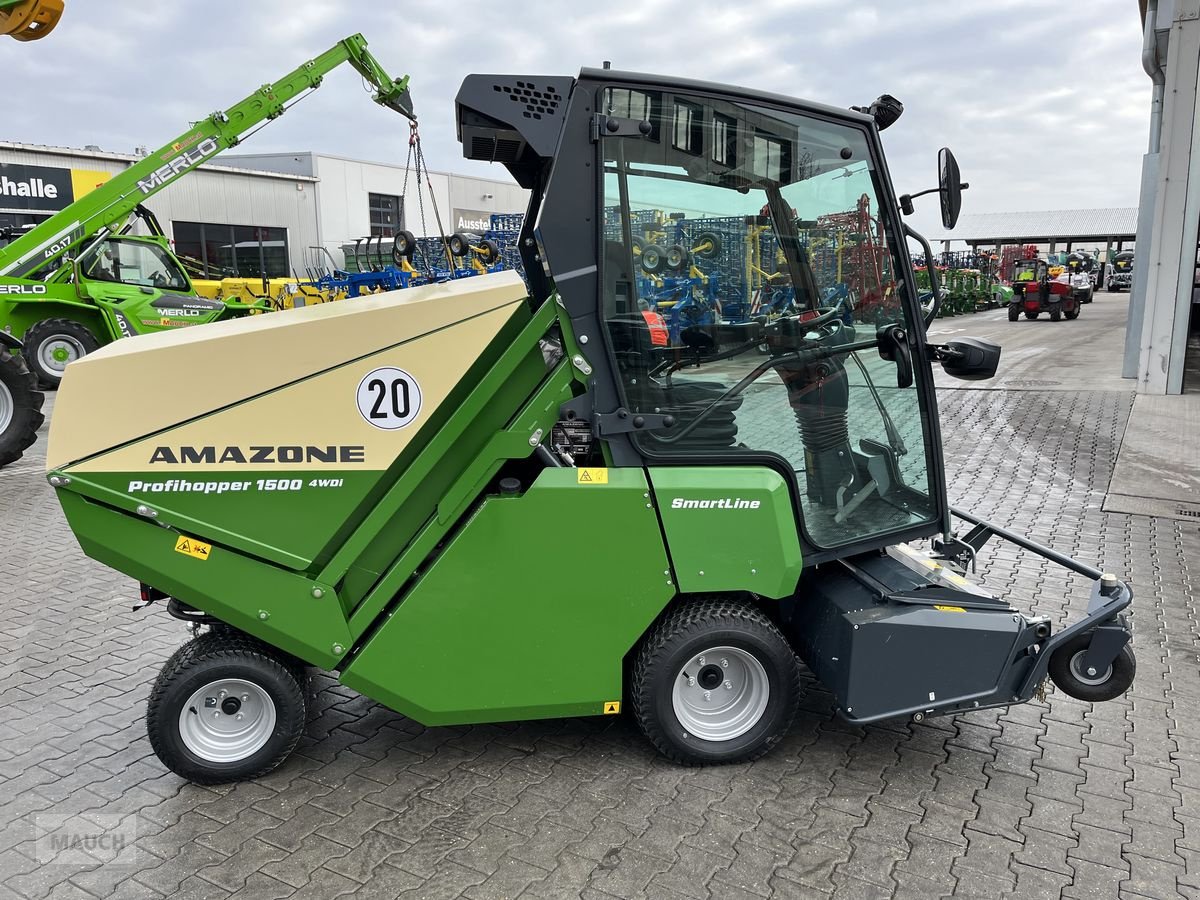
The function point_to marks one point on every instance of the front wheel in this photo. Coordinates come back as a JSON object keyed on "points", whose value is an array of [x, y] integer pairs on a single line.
{"points": [[1055, 315], [1014, 313], [53, 344], [225, 707], [1069, 675], [715, 682], [1072, 314], [20, 407]]}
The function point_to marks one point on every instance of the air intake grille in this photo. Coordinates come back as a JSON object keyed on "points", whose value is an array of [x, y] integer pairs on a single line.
{"points": [[537, 102]]}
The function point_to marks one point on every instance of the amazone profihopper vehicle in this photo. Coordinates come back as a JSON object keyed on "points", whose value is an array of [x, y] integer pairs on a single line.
{"points": [[481, 501]]}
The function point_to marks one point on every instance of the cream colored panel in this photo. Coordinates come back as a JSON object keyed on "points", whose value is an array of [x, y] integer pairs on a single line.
{"points": [[319, 412], [137, 386]]}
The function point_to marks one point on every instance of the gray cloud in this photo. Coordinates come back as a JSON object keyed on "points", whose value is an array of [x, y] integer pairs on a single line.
{"points": [[1046, 108]]}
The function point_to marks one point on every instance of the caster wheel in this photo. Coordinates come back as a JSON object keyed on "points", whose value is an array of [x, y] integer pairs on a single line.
{"points": [[1066, 671]]}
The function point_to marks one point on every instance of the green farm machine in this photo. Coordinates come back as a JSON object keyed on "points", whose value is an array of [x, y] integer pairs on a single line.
{"points": [[487, 500], [82, 278]]}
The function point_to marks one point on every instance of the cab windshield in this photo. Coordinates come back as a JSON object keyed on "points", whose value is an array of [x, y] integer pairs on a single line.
{"points": [[129, 261], [747, 268]]}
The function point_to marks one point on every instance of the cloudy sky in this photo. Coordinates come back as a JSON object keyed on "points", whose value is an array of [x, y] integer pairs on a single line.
{"points": [[1046, 106]]}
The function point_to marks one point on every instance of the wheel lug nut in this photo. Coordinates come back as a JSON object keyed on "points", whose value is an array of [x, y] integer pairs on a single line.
{"points": [[708, 695], [238, 717], [245, 697], [729, 685], [691, 681], [724, 664]]}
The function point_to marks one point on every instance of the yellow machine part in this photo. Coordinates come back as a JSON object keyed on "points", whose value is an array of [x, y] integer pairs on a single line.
{"points": [[283, 293], [30, 20]]}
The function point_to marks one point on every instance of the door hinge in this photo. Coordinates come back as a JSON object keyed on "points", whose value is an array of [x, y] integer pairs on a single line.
{"points": [[623, 421], [611, 126]]}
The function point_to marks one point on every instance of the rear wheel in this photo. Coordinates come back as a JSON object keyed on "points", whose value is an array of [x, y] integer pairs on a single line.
{"points": [[1072, 314], [225, 707], [715, 682], [1014, 313], [20, 407], [1069, 674], [53, 344]]}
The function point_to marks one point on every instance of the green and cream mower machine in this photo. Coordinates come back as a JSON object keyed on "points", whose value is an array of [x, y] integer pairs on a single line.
{"points": [[83, 278], [488, 500]]}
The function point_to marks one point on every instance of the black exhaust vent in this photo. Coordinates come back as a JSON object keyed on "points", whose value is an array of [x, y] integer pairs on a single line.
{"points": [[514, 120], [537, 101]]}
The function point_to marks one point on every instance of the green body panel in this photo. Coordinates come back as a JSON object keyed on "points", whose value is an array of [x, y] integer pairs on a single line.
{"points": [[729, 528], [415, 490], [524, 614], [237, 589], [247, 511], [53, 301]]}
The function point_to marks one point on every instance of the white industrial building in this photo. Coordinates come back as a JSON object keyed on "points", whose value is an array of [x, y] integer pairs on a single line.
{"points": [[259, 215]]}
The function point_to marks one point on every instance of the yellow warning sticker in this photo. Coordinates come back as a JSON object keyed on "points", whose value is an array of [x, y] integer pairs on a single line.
{"points": [[612, 707], [592, 476], [192, 547], [950, 608]]}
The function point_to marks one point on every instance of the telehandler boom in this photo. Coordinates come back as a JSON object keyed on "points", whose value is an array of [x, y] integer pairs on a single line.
{"points": [[81, 279], [481, 501]]}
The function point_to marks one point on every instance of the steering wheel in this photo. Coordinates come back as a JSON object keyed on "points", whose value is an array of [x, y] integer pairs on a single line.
{"points": [[158, 279]]}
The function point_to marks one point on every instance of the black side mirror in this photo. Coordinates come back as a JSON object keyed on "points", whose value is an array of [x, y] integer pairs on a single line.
{"points": [[971, 359], [950, 187]]}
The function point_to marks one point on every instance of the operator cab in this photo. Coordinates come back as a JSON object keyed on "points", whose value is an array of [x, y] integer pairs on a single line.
{"points": [[133, 261], [762, 234]]}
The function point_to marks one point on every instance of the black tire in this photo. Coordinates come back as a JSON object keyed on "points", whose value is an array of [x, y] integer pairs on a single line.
{"points": [[404, 245], [490, 254], [458, 244], [1030, 314], [36, 352], [677, 258], [20, 407], [1056, 315], [1110, 288], [653, 258], [1073, 314], [1114, 683], [216, 655], [1014, 313], [665, 652], [709, 245]]}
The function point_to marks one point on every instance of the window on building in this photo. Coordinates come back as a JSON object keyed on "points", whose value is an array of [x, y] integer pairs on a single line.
{"points": [[209, 250], [387, 214]]}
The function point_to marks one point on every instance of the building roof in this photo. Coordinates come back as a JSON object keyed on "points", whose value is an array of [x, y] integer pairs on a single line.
{"points": [[1044, 226], [131, 158]]}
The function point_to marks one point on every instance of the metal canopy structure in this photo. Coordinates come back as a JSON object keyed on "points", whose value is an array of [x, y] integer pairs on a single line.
{"points": [[1115, 226]]}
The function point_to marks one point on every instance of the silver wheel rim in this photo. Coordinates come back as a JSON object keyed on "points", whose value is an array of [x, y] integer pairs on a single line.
{"points": [[227, 721], [1080, 672], [56, 345], [7, 407], [720, 693]]}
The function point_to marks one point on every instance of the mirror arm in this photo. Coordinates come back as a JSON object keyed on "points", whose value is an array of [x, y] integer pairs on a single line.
{"points": [[932, 311]]}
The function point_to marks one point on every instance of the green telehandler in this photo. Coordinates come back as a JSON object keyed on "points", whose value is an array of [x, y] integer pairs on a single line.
{"points": [[487, 501], [82, 278]]}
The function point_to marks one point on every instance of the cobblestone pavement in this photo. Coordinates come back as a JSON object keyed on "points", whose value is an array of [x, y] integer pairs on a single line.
{"points": [[1042, 799]]}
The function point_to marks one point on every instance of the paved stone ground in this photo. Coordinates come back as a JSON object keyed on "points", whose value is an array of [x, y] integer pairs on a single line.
{"points": [[1041, 800]]}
